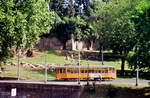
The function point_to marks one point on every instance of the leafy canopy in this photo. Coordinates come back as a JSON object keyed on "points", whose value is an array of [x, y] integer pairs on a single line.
{"points": [[22, 23]]}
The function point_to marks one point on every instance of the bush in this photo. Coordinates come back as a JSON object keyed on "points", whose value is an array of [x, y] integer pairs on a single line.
{"points": [[112, 91]]}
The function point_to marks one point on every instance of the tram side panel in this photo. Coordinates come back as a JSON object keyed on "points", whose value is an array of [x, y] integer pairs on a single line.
{"points": [[72, 73]]}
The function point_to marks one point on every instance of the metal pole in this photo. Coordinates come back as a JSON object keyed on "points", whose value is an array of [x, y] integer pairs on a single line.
{"points": [[137, 70], [102, 57], [79, 68], [79, 47], [45, 70], [18, 66], [88, 73]]}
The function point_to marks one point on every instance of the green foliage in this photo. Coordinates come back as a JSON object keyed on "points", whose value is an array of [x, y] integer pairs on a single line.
{"points": [[62, 8], [115, 29], [79, 27], [123, 32], [22, 23], [7, 20], [112, 20], [73, 25], [38, 21], [141, 17], [120, 25]]}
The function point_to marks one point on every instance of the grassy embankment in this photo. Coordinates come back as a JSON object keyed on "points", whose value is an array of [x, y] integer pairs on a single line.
{"points": [[116, 91], [52, 57]]}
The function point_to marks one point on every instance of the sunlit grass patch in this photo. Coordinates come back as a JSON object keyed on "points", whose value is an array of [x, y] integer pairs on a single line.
{"points": [[27, 74]]}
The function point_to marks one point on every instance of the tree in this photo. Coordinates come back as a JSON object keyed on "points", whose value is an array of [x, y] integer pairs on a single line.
{"points": [[64, 28], [7, 33], [141, 17], [68, 26], [115, 29], [64, 8], [123, 33], [39, 20], [22, 23]]}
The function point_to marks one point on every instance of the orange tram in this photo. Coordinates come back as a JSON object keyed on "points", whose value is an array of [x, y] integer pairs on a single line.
{"points": [[67, 72]]}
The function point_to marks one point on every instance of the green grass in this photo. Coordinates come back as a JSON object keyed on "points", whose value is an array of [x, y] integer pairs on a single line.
{"points": [[128, 78], [27, 74], [51, 57]]}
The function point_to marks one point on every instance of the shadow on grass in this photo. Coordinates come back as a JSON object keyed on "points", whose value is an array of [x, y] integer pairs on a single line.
{"points": [[8, 78], [85, 55], [51, 51], [129, 74], [50, 74], [112, 91], [97, 57]]}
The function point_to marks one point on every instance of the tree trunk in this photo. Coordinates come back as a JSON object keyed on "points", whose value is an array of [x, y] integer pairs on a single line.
{"points": [[91, 45], [64, 46], [29, 53], [73, 42], [0, 66], [100, 48], [122, 65], [122, 62]]}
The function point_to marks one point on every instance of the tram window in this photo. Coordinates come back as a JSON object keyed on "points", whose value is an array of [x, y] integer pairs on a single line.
{"points": [[76, 71], [57, 71], [64, 70], [100, 71], [72, 70], [69, 70], [113, 70], [103, 70], [96, 70], [82, 70], [109, 71], [92, 70], [60, 71], [85, 70], [106, 70]]}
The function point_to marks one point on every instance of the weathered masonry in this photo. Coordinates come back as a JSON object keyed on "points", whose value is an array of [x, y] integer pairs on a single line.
{"points": [[39, 90]]}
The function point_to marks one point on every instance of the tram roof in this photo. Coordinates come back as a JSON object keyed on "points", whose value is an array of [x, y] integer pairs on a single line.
{"points": [[85, 66]]}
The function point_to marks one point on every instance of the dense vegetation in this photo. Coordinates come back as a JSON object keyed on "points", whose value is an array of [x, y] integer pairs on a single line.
{"points": [[120, 25], [21, 24]]}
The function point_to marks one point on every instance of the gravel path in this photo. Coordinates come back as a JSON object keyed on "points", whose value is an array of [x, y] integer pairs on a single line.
{"points": [[76, 82]]}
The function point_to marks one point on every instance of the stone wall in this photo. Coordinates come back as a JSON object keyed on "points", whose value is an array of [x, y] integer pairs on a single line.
{"points": [[41, 90], [54, 43], [49, 43]]}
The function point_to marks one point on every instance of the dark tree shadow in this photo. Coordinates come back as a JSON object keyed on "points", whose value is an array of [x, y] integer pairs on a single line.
{"points": [[111, 91], [132, 74]]}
